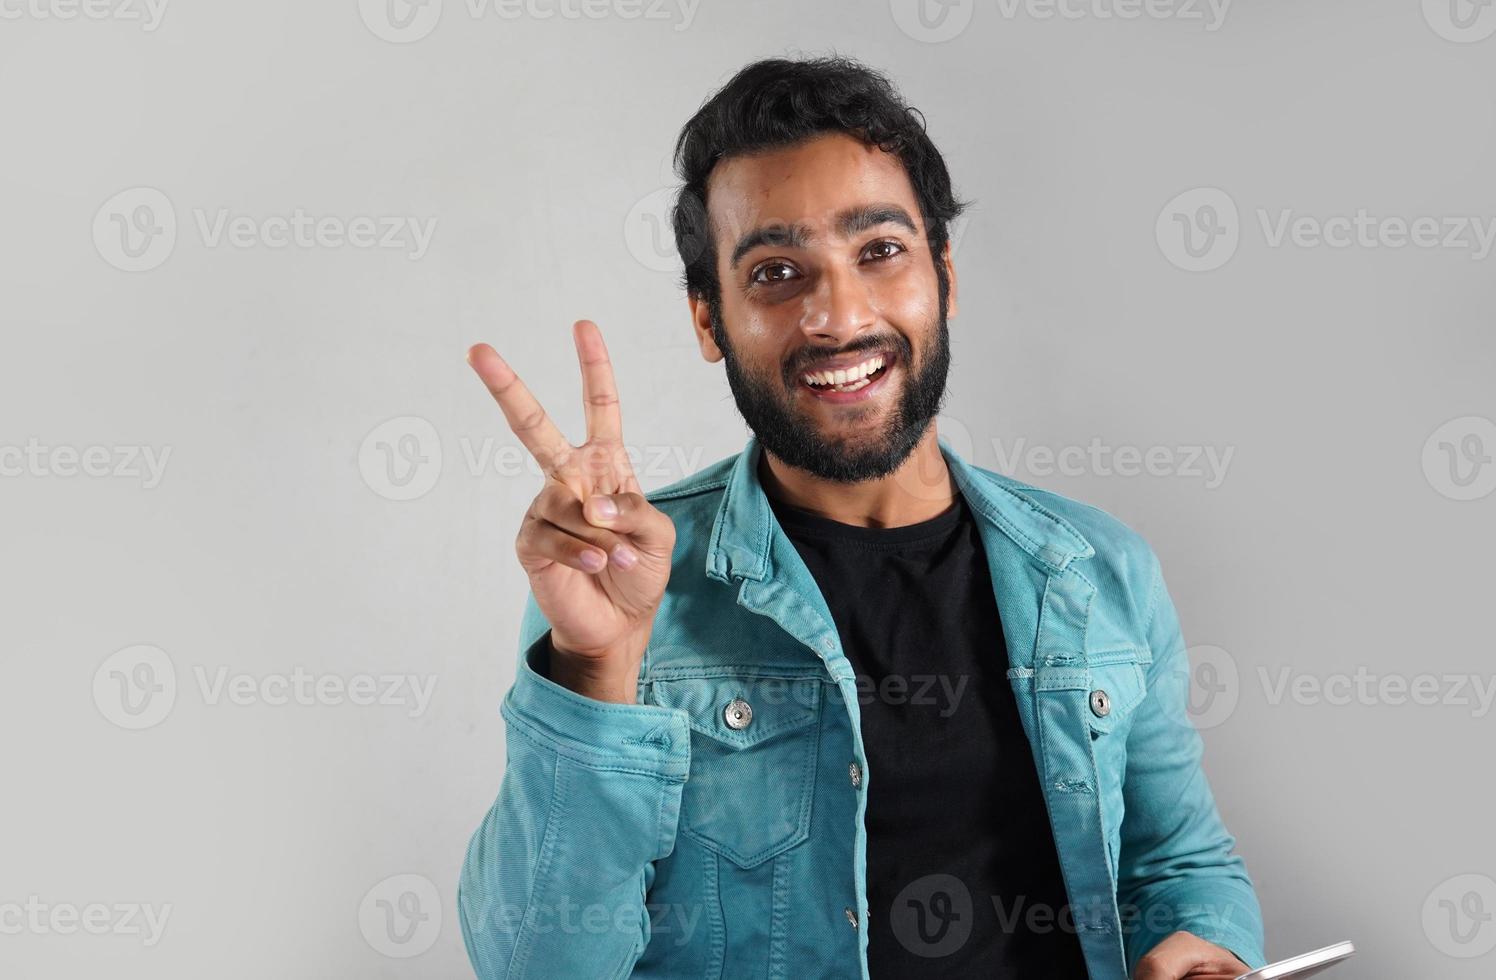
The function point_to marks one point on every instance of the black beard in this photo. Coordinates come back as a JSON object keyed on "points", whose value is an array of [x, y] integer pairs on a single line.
{"points": [[793, 438]]}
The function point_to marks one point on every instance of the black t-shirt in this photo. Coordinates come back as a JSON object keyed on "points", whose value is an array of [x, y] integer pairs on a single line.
{"points": [[962, 875]]}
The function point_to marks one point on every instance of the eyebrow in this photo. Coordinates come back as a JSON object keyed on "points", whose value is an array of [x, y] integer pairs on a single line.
{"points": [[850, 222]]}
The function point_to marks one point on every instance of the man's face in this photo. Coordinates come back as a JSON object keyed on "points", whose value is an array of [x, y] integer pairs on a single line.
{"points": [[825, 265]]}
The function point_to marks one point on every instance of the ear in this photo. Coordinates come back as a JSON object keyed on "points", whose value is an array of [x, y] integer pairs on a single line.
{"points": [[950, 271], [701, 322]]}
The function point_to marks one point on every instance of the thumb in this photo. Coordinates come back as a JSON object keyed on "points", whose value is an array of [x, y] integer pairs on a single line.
{"points": [[1160, 964], [632, 515]]}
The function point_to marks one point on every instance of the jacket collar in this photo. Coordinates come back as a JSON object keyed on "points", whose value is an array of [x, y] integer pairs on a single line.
{"points": [[743, 531]]}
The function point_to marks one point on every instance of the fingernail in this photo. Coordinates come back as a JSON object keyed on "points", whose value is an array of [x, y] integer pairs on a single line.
{"points": [[624, 557], [593, 560], [605, 507]]}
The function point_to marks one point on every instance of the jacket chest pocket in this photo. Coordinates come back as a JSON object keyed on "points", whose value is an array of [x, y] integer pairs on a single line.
{"points": [[1117, 690], [754, 744]]}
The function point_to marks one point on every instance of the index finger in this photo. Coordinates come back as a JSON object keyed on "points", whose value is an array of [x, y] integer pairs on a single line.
{"points": [[523, 413], [599, 391]]}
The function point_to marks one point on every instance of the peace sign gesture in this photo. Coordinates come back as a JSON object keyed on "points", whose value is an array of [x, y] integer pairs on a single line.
{"points": [[596, 551]]}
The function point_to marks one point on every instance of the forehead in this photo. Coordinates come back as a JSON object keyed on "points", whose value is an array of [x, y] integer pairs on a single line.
{"points": [[807, 184]]}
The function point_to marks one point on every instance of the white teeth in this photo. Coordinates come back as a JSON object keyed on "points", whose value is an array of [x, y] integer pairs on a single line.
{"points": [[846, 375]]}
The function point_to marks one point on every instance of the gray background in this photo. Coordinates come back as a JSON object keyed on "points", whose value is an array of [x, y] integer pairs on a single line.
{"points": [[274, 541]]}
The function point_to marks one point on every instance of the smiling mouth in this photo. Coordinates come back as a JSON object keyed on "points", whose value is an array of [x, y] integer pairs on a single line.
{"points": [[849, 379]]}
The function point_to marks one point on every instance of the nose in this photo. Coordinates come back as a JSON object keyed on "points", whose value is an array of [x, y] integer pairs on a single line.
{"points": [[837, 309]]}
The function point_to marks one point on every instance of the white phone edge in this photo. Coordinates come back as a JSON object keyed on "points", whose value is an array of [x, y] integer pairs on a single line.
{"points": [[1293, 966]]}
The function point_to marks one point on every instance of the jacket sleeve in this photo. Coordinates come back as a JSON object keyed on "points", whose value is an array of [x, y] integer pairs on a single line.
{"points": [[555, 877], [1176, 868]]}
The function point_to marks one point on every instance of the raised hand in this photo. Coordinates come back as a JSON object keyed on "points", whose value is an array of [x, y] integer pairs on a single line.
{"points": [[596, 551]]}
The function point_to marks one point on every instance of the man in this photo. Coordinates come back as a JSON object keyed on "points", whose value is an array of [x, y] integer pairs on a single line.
{"points": [[842, 705]]}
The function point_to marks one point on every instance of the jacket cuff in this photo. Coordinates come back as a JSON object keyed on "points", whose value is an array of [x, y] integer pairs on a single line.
{"points": [[1235, 941], [643, 738], [1214, 914]]}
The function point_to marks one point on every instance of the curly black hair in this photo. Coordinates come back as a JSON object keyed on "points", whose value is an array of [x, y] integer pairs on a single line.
{"points": [[779, 102]]}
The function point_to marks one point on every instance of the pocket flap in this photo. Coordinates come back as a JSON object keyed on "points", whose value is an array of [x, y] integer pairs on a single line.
{"points": [[1121, 685], [715, 705]]}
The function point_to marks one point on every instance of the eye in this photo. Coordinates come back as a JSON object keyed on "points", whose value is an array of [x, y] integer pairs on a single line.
{"points": [[883, 250], [773, 273]]}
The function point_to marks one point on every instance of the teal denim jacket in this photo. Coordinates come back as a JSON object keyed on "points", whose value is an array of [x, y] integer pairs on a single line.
{"points": [[667, 839]]}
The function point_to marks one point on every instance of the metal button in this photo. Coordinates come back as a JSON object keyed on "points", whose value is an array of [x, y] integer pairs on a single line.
{"points": [[738, 714], [851, 916], [855, 771], [1101, 703]]}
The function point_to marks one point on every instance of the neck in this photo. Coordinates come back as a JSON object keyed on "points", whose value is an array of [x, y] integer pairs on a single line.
{"points": [[921, 488]]}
